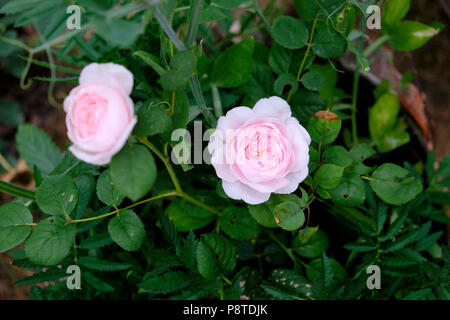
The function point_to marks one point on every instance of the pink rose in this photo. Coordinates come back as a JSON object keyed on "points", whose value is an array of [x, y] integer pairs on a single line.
{"points": [[100, 113], [259, 151]]}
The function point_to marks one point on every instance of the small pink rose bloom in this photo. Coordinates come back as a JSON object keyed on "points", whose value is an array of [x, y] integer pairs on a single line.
{"points": [[259, 151], [100, 113]]}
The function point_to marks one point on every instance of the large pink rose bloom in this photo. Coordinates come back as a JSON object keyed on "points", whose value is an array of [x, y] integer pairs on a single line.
{"points": [[100, 113], [259, 151]]}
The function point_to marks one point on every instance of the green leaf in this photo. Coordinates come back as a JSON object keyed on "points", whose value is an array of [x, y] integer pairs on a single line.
{"points": [[422, 294], [409, 238], [328, 176], [337, 155], [50, 241], [307, 9], [359, 247], [229, 4], [345, 19], [301, 202], [307, 233], [263, 213], [133, 171], [329, 75], [361, 152], [15, 225], [395, 185], [238, 224], [57, 195], [182, 67], [96, 241], [291, 282], [168, 282], [212, 13], [96, 283], [313, 80], [151, 60], [152, 120], [215, 254], [410, 35], [290, 32], [280, 59], [127, 230], [334, 273], [285, 79], [394, 11], [107, 191], [46, 276], [36, 148], [95, 263], [85, 188], [328, 273], [313, 246], [278, 294], [234, 66], [187, 216], [118, 32], [289, 215], [350, 191], [324, 131], [328, 43], [188, 252], [383, 123], [305, 103], [427, 242], [206, 263]]}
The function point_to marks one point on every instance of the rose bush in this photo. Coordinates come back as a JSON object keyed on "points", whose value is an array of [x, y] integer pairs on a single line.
{"points": [[313, 179]]}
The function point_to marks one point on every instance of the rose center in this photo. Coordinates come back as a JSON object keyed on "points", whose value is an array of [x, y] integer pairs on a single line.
{"points": [[89, 111], [261, 148]]}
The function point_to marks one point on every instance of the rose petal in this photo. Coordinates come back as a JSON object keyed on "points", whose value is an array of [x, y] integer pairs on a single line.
{"points": [[109, 74], [234, 119], [237, 190], [102, 158], [273, 107], [294, 179]]}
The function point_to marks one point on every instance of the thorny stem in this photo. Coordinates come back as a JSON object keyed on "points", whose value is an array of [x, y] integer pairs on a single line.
{"points": [[308, 49], [160, 196], [179, 191], [288, 251], [356, 77], [260, 14], [5, 164]]}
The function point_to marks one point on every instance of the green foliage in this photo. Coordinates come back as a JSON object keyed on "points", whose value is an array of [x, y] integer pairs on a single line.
{"points": [[50, 241], [238, 223], [127, 230], [15, 225], [395, 185], [133, 171], [290, 33], [57, 195], [181, 68], [384, 126], [215, 255], [107, 192], [233, 67], [411, 35], [324, 131], [187, 216], [145, 228], [36, 148]]}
